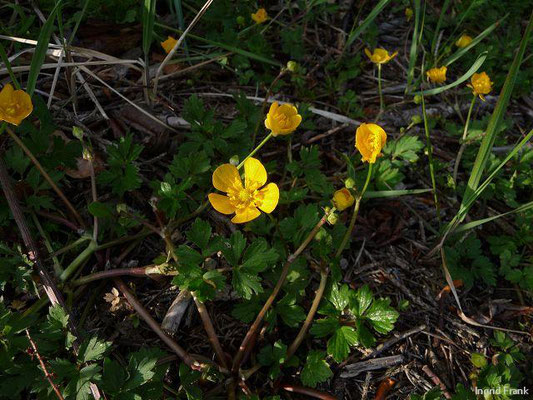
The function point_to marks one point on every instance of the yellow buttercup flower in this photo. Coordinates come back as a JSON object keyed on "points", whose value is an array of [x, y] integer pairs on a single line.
{"points": [[260, 16], [369, 140], [244, 200], [463, 41], [409, 13], [15, 105], [480, 85], [342, 199], [169, 44], [282, 119], [380, 56], [437, 75]]}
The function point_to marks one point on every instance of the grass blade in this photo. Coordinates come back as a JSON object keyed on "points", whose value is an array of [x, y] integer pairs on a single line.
{"points": [[477, 64], [479, 222], [495, 121], [414, 46], [40, 50], [148, 18], [439, 24], [6, 62], [355, 32], [225, 46], [468, 203], [393, 193], [461, 52]]}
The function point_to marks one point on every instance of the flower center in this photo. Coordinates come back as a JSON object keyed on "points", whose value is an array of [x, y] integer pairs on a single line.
{"points": [[12, 109], [283, 120], [374, 142], [243, 198]]}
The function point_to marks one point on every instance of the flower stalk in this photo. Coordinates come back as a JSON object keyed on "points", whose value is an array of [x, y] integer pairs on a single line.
{"points": [[381, 103], [358, 199], [258, 147], [463, 141], [46, 176], [243, 348]]}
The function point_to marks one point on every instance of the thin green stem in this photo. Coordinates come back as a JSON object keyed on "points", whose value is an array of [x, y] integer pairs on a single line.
{"points": [[381, 104], [358, 199], [58, 270], [463, 141], [266, 139], [46, 176], [430, 158], [83, 239], [78, 261], [144, 232]]}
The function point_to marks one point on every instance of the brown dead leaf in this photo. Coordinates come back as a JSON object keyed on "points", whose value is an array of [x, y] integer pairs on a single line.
{"points": [[83, 170]]}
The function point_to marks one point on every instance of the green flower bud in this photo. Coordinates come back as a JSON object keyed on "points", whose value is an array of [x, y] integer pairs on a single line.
{"points": [[77, 132], [240, 20], [292, 66], [416, 119], [87, 155], [349, 183], [321, 234], [417, 99], [234, 160], [333, 218]]}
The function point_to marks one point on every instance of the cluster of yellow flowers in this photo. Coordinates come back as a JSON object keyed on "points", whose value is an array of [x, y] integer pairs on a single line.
{"points": [[479, 83], [15, 105], [247, 200]]}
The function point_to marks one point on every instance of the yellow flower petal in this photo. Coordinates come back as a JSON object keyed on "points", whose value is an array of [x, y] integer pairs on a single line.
{"points": [[221, 203], [169, 44], [226, 178], [245, 215], [267, 198], [342, 199], [255, 174], [5, 94], [370, 140], [282, 120], [15, 105]]}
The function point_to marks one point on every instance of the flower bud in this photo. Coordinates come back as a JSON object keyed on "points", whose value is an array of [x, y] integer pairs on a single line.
{"points": [[333, 218], [292, 66], [321, 234], [349, 183], [417, 99], [234, 160], [87, 155], [416, 119], [122, 207], [240, 20], [77, 132], [342, 199]]}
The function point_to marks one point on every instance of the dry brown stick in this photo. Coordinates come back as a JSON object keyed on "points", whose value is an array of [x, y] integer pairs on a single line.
{"points": [[138, 307], [284, 272], [308, 391], [310, 315], [46, 176], [211, 334], [49, 286], [436, 380], [137, 271], [43, 366]]}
